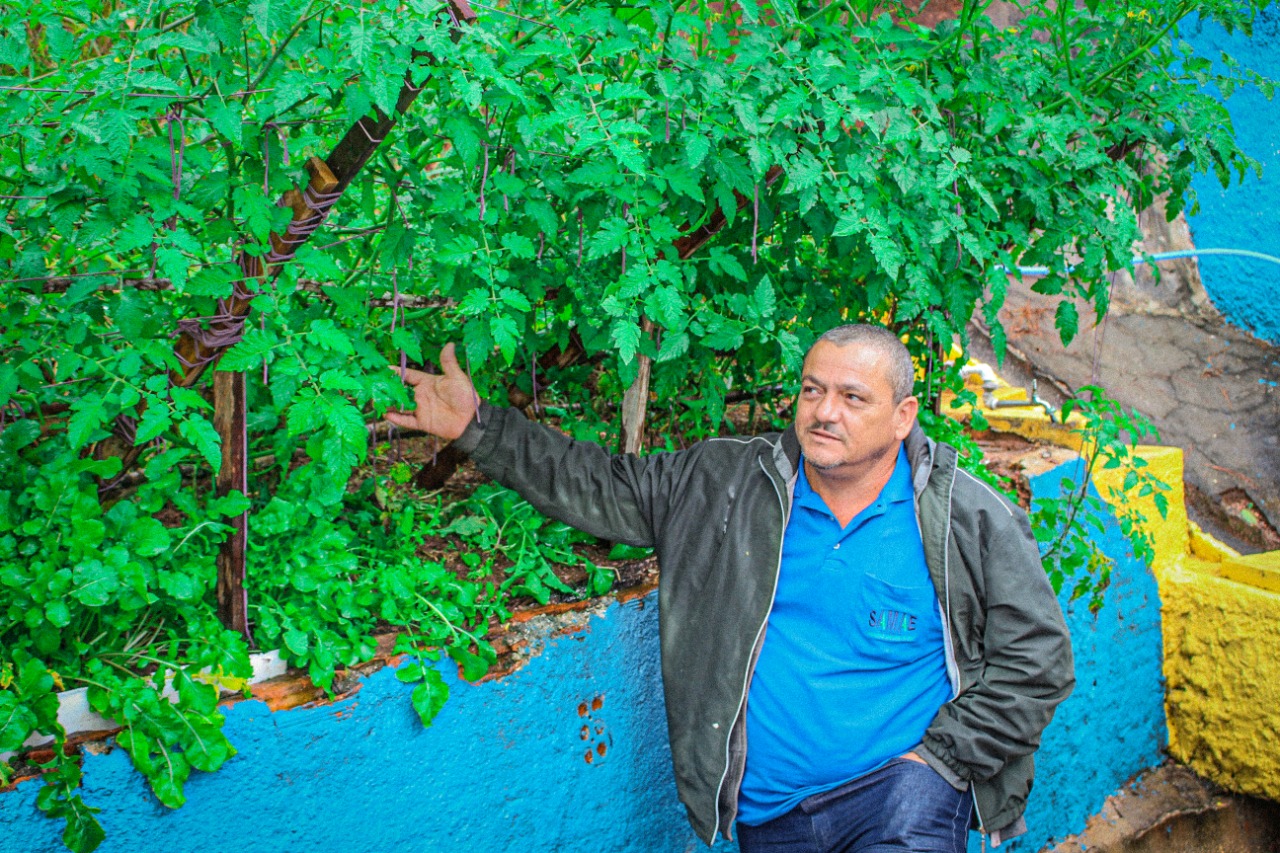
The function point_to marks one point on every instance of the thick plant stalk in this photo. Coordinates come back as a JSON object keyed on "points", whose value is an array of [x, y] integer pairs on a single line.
{"points": [[635, 401]]}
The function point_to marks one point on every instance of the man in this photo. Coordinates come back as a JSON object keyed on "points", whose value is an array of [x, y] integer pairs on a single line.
{"points": [[859, 647]]}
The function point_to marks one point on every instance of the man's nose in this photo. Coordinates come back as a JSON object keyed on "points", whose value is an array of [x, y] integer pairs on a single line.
{"points": [[826, 411]]}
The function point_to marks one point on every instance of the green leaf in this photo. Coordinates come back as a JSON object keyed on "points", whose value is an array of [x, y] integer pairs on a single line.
{"points": [[87, 416], [1067, 320], [429, 696], [94, 583], [155, 420], [225, 117], [506, 334], [180, 585], [474, 667], [83, 833], [764, 300], [326, 335], [625, 335], [58, 614], [16, 721], [172, 770], [201, 433], [695, 150], [296, 641]]}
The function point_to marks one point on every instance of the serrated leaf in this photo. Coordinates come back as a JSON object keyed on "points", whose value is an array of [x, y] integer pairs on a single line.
{"points": [[88, 414], [849, 223], [326, 335], [513, 298], [173, 265], [506, 334], [519, 245], [204, 437], [1067, 320], [628, 154], [764, 300], [625, 335], [887, 254], [397, 244], [696, 149], [155, 420], [466, 141], [115, 129], [226, 119]]}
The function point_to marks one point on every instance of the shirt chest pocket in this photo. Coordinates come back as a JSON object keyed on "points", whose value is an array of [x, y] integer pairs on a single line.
{"points": [[893, 623]]}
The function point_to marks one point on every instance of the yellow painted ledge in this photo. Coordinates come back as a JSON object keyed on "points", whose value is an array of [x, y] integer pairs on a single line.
{"points": [[1222, 673], [1220, 614]]}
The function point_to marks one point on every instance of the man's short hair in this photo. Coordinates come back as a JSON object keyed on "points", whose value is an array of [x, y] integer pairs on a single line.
{"points": [[900, 371]]}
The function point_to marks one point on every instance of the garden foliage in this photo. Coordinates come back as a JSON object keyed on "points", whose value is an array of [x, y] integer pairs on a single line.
{"points": [[529, 204]]}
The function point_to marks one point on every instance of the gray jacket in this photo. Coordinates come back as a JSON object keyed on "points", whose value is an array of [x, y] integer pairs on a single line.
{"points": [[715, 515]]}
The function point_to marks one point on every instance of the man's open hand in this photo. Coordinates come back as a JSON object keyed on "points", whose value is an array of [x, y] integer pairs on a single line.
{"points": [[446, 403]]}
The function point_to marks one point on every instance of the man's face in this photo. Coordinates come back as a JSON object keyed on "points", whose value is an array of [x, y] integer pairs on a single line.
{"points": [[846, 419]]}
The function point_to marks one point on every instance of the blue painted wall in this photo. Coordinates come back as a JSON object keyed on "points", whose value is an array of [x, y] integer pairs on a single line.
{"points": [[503, 767], [1113, 724], [1247, 214]]}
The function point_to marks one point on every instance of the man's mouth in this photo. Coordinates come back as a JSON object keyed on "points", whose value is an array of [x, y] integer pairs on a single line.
{"points": [[823, 434]]}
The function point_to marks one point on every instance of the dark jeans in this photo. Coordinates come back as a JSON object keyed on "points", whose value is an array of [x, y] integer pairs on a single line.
{"points": [[904, 805]]}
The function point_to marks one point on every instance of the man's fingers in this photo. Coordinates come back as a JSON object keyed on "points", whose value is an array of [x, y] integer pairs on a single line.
{"points": [[411, 376], [449, 361], [404, 421]]}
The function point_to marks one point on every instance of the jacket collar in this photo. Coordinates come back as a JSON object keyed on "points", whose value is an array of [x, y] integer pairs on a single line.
{"points": [[920, 453], [786, 454]]}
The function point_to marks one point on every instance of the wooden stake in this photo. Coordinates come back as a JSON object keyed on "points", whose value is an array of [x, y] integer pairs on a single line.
{"points": [[229, 419]]}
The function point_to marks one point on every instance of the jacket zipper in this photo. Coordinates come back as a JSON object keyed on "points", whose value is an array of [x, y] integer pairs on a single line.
{"points": [[746, 678], [950, 652]]}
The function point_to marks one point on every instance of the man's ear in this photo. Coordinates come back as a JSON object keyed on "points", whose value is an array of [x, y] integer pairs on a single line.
{"points": [[904, 417]]}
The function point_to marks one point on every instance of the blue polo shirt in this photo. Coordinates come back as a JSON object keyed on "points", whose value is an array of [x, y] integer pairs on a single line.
{"points": [[852, 669]]}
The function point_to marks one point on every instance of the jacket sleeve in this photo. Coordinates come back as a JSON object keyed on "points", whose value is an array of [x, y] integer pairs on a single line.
{"points": [[614, 496], [1026, 668]]}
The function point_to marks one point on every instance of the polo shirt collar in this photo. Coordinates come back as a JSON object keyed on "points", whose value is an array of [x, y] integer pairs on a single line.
{"points": [[896, 490]]}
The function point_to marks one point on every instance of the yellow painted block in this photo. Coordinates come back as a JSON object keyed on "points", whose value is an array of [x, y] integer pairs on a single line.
{"points": [[1222, 668], [1257, 570], [1207, 547]]}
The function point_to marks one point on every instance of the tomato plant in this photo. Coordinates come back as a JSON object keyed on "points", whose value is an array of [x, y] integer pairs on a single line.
{"points": [[595, 198]]}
